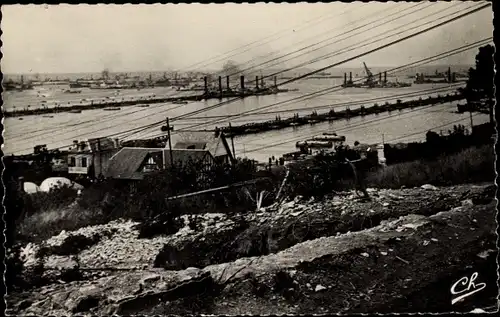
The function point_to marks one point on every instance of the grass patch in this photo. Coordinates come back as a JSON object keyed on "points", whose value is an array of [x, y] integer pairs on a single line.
{"points": [[475, 164]]}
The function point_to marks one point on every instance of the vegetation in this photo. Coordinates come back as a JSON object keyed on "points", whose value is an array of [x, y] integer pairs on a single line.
{"points": [[475, 164], [480, 84]]}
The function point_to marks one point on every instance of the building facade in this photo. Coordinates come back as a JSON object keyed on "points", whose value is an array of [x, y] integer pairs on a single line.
{"points": [[90, 158]]}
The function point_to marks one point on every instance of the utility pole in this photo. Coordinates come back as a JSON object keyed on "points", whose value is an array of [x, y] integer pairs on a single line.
{"points": [[170, 144], [471, 123], [100, 158], [232, 142]]}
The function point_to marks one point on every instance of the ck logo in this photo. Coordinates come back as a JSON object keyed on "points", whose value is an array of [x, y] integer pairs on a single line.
{"points": [[465, 287]]}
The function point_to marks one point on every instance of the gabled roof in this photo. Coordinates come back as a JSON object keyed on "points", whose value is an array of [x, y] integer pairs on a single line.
{"points": [[217, 146], [126, 163], [182, 156], [191, 145]]}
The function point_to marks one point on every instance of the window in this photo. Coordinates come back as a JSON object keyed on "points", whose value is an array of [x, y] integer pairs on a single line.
{"points": [[72, 162], [84, 162]]}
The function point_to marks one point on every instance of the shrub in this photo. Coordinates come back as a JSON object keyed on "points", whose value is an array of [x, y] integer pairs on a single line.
{"points": [[475, 164]]}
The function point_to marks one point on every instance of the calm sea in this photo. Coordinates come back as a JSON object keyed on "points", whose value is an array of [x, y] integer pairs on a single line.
{"points": [[56, 130]]}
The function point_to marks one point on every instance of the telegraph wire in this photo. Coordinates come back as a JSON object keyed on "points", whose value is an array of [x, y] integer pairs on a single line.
{"points": [[344, 61], [339, 87], [348, 59]]}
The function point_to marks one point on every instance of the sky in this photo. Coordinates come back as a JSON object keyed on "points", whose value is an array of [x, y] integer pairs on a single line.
{"points": [[121, 38]]}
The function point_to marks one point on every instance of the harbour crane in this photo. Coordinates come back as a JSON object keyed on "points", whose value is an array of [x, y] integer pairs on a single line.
{"points": [[369, 81]]}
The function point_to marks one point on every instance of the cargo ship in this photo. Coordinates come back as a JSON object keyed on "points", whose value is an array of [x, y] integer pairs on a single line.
{"points": [[371, 82]]}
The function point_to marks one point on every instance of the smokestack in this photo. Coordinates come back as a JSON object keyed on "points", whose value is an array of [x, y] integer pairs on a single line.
{"points": [[227, 82], [449, 74], [345, 79], [206, 84], [385, 77], [350, 77], [380, 77], [275, 84], [256, 82], [242, 83], [220, 86], [262, 81]]}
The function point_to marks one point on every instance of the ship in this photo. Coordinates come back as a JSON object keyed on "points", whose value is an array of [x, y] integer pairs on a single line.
{"points": [[179, 102], [71, 91], [371, 82], [77, 84]]}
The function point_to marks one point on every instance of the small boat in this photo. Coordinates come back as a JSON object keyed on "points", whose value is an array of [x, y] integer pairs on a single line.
{"points": [[143, 106], [112, 109], [334, 138], [75, 111], [314, 144], [180, 102], [21, 119]]}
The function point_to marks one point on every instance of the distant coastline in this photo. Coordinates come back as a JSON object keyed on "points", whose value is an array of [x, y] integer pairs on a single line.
{"points": [[159, 73]]}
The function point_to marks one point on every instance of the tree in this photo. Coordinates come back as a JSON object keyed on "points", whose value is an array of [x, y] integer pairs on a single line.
{"points": [[480, 83]]}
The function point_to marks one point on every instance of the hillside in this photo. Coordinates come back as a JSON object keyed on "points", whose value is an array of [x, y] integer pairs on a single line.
{"points": [[399, 252]]}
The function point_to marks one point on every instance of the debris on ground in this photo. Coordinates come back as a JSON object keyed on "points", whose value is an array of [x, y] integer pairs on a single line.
{"points": [[278, 259]]}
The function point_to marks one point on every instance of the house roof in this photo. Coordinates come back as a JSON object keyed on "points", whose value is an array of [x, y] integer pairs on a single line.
{"points": [[94, 145], [105, 144], [217, 146], [126, 163], [191, 145], [183, 156]]}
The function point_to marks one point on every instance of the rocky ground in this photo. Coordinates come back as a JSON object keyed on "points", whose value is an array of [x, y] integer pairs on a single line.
{"points": [[399, 252]]}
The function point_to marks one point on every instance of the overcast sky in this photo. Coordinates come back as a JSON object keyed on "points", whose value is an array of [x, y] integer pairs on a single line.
{"points": [[83, 38]]}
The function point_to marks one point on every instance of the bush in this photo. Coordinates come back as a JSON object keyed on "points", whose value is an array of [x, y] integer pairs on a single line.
{"points": [[475, 164]]}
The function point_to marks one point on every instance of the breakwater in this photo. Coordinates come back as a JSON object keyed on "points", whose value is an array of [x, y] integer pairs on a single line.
{"points": [[332, 115], [116, 104]]}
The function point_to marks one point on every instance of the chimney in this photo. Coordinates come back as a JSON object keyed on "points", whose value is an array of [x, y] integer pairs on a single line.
{"points": [[256, 82], [385, 77], [449, 74], [345, 79], [227, 83], [350, 77], [380, 77], [275, 82], [242, 83], [206, 84], [262, 81], [220, 86]]}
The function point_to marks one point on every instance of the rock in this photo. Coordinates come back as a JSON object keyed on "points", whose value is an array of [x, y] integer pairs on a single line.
{"points": [[84, 303], [467, 203], [319, 288], [289, 205], [429, 187], [150, 279], [24, 304]]}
